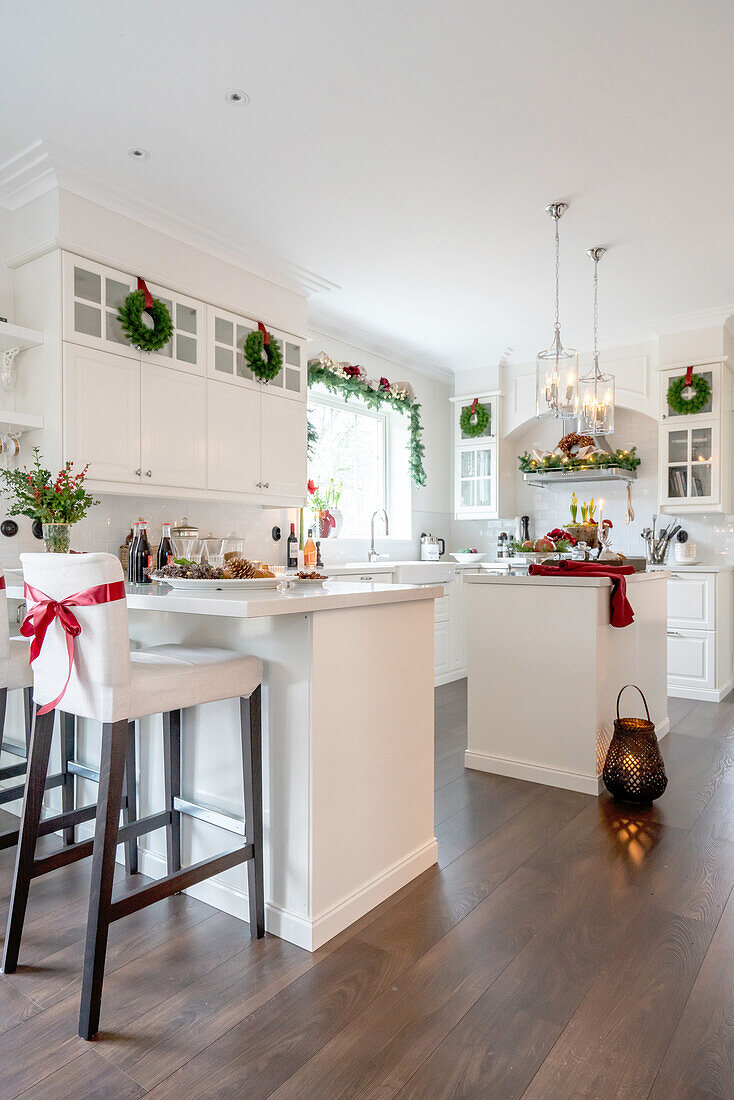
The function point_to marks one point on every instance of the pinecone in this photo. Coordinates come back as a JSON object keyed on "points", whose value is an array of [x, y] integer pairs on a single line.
{"points": [[240, 569]]}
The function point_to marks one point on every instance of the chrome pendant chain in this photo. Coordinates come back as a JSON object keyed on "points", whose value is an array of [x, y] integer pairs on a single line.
{"points": [[558, 276], [596, 254]]}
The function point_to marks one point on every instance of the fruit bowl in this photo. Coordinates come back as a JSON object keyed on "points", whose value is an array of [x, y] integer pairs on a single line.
{"points": [[467, 558]]}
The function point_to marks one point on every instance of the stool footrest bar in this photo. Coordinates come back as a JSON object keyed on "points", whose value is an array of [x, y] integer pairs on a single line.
{"points": [[181, 880], [10, 794], [75, 768], [61, 821], [222, 821], [84, 848], [14, 750], [11, 771]]}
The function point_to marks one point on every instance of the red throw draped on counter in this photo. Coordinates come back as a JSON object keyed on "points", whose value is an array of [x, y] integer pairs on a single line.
{"points": [[621, 609]]}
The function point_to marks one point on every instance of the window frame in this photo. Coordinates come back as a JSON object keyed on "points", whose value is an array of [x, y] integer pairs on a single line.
{"points": [[321, 396]]}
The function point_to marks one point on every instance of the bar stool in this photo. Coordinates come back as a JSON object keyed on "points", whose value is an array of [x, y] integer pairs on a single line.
{"points": [[82, 635], [16, 672]]}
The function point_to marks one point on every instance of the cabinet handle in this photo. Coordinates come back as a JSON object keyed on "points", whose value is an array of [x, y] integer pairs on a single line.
{"points": [[259, 484], [674, 634], [266, 484], [138, 472], [148, 473]]}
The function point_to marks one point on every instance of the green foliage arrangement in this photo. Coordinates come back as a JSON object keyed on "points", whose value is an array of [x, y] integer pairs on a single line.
{"points": [[130, 316], [622, 460], [265, 369], [39, 496], [349, 381], [701, 393], [472, 431]]}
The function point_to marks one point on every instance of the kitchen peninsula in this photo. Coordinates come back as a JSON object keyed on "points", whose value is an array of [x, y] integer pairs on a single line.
{"points": [[347, 744], [545, 668]]}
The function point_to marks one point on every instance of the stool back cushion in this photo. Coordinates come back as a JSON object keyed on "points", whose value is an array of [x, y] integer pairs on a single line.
{"points": [[4, 636], [100, 683]]}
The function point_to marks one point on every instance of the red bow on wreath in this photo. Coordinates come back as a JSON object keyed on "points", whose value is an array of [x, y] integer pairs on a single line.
{"points": [[146, 292], [473, 408], [264, 331]]}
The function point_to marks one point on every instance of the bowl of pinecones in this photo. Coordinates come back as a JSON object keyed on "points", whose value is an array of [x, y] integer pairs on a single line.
{"points": [[237, 572]]}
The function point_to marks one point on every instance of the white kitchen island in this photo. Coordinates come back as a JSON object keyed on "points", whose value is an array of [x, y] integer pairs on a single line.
{"points": [[545, 668], [347, 745]]}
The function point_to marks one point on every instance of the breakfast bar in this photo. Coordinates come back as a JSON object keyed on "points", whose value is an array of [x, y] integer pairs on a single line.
{"points": [[347, 745]]}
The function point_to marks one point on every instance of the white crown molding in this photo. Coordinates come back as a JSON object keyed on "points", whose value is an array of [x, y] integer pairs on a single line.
{"points": [[43, 166], [402, 355], [716, 317]]}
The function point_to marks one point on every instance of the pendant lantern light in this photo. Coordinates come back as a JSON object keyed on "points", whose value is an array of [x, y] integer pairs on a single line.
{"points": [[556, 368], [596, 389]]}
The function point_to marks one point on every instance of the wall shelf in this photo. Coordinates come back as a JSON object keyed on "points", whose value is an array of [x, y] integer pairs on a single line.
{"points": [[15, 423], [15, 336], [544, 479]]}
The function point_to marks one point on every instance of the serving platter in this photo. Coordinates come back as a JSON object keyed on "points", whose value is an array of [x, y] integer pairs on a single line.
{"points": [[193, 584]]}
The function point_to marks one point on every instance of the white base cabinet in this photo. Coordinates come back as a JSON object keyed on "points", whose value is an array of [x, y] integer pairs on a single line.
{"points": [[700, 634]]}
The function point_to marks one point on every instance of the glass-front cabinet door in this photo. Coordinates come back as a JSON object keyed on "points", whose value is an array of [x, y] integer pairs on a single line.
{"points": [[228, 363], [690, 467], [92, 295], [186, 350], [475, 460]]}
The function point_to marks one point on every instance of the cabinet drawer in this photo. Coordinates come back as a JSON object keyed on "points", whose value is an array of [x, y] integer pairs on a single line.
{"points": [[692, 658], [692, 600]]}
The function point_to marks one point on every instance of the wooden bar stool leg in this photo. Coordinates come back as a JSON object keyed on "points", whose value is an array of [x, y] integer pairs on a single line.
{"points": [[68, 751], [40, 749], [172, 781], [28, 715], [130, 811], [111, 774], [3, 707], [250, 725]]}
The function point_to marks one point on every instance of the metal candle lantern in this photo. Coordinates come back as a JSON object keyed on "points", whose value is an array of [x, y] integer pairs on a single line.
{"points": [[634, 770]]}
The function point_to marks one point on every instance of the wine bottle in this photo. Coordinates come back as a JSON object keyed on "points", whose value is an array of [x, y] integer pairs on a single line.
{"points": [[309, 551], [141, 559], [292, 549], [165, 548], [131, 554]]}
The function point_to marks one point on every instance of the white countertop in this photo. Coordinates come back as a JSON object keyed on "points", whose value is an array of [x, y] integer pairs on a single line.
{"points": [[241, 604], [563, 580], [699, 567]]}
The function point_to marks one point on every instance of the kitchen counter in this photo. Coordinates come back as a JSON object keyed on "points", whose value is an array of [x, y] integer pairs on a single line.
{"points": [[545, 667], [347, 745]]}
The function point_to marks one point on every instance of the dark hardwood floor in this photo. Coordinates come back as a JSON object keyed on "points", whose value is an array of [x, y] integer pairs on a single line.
{"points": [[565, 947]]}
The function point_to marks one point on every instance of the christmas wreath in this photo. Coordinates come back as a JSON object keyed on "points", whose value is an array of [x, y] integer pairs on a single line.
{"points": [[130, 316], [258, 342], [696, 400], [474, 419]]}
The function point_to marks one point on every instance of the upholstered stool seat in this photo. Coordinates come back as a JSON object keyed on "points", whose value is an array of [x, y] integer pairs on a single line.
{"points": [[173, 677], [82, 663]]}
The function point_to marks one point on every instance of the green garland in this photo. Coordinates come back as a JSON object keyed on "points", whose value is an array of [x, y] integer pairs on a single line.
{"points": [[473, 430], [267, 368], [622, 460], [356, 385], [130, 316], [701, 393]]}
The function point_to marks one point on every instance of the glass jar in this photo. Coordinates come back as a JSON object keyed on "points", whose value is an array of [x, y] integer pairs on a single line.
{"points": [[57, 537]]}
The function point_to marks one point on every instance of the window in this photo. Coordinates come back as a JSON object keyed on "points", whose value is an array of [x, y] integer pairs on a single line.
{"points": [[351, 448]]}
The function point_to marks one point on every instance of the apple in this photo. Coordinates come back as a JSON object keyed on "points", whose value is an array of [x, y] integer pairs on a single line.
{"points": [[544, 546], [528, 545]]}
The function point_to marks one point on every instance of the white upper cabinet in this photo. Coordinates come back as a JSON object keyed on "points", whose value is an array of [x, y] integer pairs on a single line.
{"points": [[476, 463], [92, 296], [227, 333], [282, 447], [695, 470], [173, 428], [186, 350], [102, 413], [233, 438]]}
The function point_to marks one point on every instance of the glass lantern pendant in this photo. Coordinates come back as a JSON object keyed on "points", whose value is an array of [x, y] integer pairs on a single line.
{"points": [[556, 367], [596, 389]]}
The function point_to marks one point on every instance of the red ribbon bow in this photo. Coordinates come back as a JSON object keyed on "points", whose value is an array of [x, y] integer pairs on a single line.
{"points": [[45, 610], [689, 376], [474, 404], [146, 292], [264, 331]]}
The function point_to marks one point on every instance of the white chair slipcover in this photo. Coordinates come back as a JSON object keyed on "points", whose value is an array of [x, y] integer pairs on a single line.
{"points": [[15, 672], [108, 682]]}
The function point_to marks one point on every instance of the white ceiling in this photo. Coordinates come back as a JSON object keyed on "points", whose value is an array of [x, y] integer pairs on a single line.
{"points": [[406, 149]]}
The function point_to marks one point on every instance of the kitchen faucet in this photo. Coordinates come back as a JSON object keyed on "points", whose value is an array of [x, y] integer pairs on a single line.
{"points": [[373, 555]]}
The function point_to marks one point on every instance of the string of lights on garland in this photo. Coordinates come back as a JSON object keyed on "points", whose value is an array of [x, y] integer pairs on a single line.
{"points": [[599, 460], [352, 381], [130, 316]]}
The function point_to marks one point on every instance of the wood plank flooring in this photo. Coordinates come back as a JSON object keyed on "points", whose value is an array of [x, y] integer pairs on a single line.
{"points": [[565, 947]]}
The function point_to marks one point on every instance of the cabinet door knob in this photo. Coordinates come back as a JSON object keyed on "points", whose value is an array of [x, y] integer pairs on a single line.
{"points": [[266, 484], [674, 634], [259, 484], [148, 473], [138, 472]]}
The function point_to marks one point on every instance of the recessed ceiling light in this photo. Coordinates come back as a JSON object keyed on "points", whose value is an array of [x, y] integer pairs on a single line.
{"points": [[138, 154], [237, 98]]}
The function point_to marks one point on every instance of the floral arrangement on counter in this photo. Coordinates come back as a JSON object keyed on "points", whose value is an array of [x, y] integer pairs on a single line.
{"points": [[556, 541], [325, 505], [584, 459], [352, 381], [56, 502]]}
